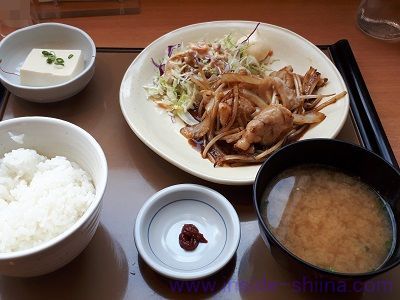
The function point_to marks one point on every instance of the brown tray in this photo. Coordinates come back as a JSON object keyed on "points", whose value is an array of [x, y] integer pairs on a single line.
{"points": [[110, 268]]}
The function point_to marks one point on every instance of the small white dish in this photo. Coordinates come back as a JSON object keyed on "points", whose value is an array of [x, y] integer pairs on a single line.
{"points": [[160, 221], [154, 127], [15, 47]]}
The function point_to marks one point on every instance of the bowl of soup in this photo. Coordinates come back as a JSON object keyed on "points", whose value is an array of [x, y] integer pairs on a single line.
{"points": [[331, 208]]}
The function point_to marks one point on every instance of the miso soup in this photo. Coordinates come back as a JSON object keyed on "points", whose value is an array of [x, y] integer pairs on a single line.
{"points": [[329, 219]]}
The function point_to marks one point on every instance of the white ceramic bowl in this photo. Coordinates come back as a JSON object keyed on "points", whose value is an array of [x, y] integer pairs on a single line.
{"points": [[52, 137], [16, 46], [160, 221]]}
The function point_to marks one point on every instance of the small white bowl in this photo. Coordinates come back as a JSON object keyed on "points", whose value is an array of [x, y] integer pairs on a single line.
{"points": [[159, 223], [15, 47], [51, 137]]}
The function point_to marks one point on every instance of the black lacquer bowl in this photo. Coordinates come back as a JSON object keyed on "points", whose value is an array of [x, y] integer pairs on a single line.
{"points": [[351, 159]]}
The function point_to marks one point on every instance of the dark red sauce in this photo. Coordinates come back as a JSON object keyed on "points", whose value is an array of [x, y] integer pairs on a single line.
{"points": [[190, 237]]}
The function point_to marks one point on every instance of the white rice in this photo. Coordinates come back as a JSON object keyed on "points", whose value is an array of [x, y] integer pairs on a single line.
{"points": [[39, 198]]}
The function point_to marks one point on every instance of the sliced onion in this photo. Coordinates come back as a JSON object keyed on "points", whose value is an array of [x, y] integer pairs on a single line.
{"points": [[188, 118], [331, 101], [254, 98], [234, 77], [308, 118]]}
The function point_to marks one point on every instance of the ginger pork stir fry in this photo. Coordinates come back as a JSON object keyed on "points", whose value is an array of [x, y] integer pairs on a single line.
{"points": [[234, 107]]}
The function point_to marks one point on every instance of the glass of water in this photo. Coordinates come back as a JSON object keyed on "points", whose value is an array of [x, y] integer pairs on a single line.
{"points": [[380, 19], [14, 14]]}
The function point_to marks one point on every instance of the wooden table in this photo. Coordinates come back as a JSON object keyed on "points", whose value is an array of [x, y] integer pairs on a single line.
{"points": [[110, 267]]}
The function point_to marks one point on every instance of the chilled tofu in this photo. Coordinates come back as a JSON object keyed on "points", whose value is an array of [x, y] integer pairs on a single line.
{"points": [[36, 71]]}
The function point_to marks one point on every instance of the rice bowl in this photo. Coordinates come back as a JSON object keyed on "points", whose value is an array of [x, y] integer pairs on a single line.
{"points": [[53, 137]]}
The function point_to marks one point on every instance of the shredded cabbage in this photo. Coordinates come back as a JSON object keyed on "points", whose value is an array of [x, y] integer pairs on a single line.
{"points": [[173, 88]]}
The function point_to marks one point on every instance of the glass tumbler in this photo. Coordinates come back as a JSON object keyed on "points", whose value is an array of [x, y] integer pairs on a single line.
{"points": [[380, 19], [14, 14]]}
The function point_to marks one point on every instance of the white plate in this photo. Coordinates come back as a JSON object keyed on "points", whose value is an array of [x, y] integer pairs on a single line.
{"points": [[155, 128], [159, 223]]}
